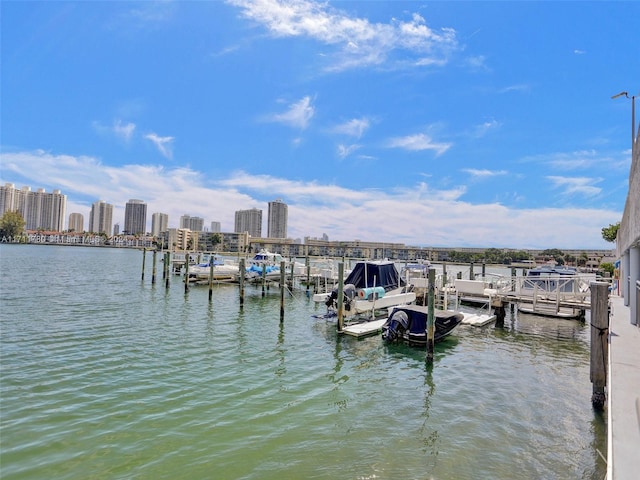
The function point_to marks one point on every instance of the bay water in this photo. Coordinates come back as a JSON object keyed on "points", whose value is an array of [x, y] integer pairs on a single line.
{"points": [[106, 376]]}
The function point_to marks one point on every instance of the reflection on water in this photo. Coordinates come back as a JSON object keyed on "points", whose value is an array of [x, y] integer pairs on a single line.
{"points": [[117, 378]]}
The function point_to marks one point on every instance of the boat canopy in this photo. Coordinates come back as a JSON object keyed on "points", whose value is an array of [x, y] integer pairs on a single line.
{"points": [[375, 274]]}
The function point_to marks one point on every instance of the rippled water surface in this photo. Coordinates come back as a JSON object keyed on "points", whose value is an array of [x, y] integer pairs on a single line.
{"points": [[106, 376]]}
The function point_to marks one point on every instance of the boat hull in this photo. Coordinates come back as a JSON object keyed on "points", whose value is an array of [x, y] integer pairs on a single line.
{"points": [[408, 324]]}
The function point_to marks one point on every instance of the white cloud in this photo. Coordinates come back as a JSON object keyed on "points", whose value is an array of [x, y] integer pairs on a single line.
{"points": [[414, 215], [419, 141], [486, 127], [353, 128], [484, 173], [298, 115], [576, 185], [357, 42], [346, 150], [124, 131], [163, 144]]}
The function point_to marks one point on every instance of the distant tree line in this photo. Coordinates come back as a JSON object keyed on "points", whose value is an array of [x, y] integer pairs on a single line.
{"points": [[500, 257]]}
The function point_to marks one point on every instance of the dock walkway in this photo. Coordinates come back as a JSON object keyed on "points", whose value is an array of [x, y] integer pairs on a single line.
{"points": [[623, 392]]}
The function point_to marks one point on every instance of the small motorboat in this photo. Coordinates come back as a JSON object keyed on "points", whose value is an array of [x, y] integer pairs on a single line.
{"points": [[408, 324]]}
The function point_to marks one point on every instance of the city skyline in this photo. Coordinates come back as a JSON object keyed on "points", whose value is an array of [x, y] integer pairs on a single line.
{"points": [[425, 123]]}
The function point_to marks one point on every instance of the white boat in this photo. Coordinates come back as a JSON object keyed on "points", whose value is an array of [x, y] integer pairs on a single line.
{"points": [[371, 286], [223, 271]]}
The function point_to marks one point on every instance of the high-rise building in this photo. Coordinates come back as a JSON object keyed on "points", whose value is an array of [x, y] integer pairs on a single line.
{"points": [[195, 224], [116, 230], [101, 217], [135, 217], [249, 221], [215, 227], [277, 219], [159, 223], [40, 210], [76, 222]]}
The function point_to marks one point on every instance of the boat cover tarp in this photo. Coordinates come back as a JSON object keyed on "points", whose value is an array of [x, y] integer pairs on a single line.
{"points": [[409, 322], [375, 274]]}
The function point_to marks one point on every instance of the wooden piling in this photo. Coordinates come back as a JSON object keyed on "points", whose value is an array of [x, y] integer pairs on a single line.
{"points": [[186, 275], [164, 265], [144, 257], [444, 277], [264, 278], [211, 268], [283, 285], [431, 315], [153, 270], [471, 271], [241, 272], [169, 272], [599, 342], [340, 296]]}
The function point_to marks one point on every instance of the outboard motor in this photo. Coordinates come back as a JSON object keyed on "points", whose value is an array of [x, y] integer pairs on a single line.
{"points": [[395, 327], [349, 293]]}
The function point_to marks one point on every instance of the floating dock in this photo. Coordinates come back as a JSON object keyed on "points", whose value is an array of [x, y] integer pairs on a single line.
{"points": [[364, 329]]}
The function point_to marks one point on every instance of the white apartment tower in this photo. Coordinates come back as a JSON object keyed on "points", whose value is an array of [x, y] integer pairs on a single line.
{"points": [[135, 217], [159, 223], [101, 217], [40, 210], [277, 219], [215, 227], [76, 222], [249, 221]]}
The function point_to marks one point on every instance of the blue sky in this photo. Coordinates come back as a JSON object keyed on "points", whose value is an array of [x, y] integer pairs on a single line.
{"points": [[481, 124]]}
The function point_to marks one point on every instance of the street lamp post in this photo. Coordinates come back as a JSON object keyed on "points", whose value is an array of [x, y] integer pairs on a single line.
{"points": [[633, 119]]}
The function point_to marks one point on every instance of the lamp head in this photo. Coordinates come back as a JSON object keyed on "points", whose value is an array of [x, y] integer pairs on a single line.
{"points": [[626, 94]]}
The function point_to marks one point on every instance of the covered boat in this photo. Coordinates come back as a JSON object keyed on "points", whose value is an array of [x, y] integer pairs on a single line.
{"points": [[371, 285], [409, 324]]}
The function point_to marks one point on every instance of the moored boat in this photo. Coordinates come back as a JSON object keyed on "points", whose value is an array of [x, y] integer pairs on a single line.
{"points": [[409, 324], [371, 286]]}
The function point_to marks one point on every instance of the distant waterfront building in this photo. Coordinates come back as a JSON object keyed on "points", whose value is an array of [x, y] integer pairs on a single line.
{"points": [[159, 223], [101, 217], [195, 224], [249, 221], [76, 222], [135, 217], [277, 219], [215, 227], [40, 210], [116, 229]]}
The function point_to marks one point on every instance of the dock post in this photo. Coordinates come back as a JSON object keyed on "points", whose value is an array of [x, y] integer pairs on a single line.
{"points": [[484, 269], [283, 284], [186, 275], [241, 272], [264, 277], [308, 277], [291, 271], [211, 267], [340, 296], [153, 270], [144, 257], [164, 265], [513, 279], [430, 316], [599, 342], [471, 275], [444, 276], [168, 267]]}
